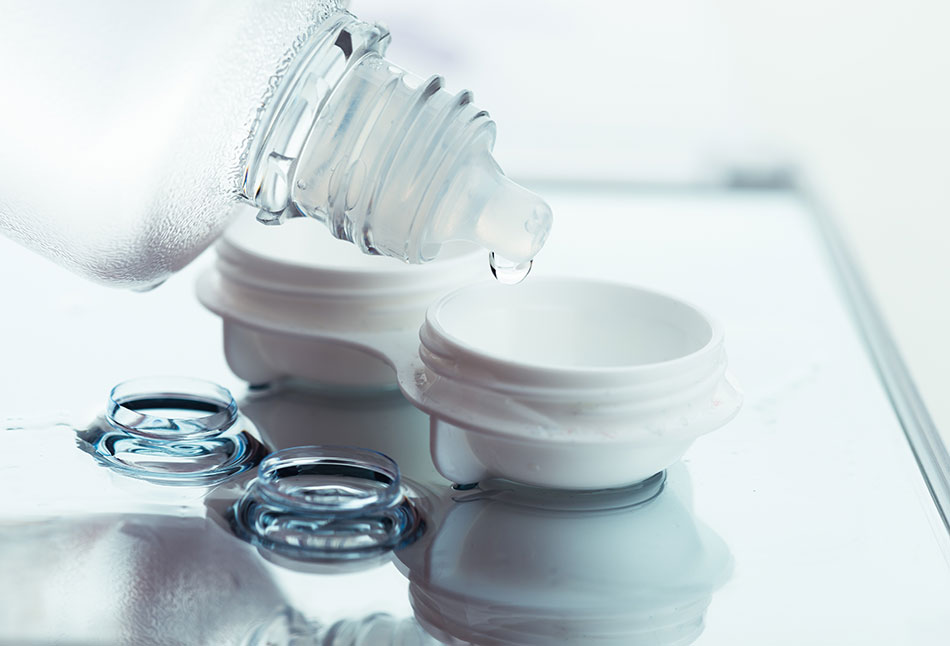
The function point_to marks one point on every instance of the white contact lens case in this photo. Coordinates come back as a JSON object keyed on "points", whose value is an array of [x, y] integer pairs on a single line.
{"points": [[298, 303], [555, 382]]}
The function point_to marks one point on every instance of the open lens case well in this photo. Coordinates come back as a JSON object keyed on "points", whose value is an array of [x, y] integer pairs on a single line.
{"points": [[556, 382]]}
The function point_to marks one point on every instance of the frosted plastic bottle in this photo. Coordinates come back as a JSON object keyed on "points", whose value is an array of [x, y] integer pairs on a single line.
{"points": [[128, 131]]}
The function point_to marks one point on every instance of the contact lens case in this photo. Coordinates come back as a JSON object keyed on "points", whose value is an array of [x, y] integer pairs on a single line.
{"points": [[555, 382]]}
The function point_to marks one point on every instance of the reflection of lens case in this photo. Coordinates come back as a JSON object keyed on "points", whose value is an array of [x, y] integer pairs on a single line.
{"points": [[528, 566]]}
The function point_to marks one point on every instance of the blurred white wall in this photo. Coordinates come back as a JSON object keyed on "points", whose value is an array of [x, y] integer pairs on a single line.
{"points": [[857, 93], [860, 91], [612, 91]]}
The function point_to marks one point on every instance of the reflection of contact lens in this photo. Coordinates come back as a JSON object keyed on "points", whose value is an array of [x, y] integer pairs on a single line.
{"points": [[172, 431], [288, 626], [326, 503]]}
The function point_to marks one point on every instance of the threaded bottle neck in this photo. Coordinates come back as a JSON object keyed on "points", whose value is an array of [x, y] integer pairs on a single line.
{"points": [[392, 163], [300, 93]]}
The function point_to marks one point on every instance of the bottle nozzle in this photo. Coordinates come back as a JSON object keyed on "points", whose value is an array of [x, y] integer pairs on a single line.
{"points": [[486, 207]]}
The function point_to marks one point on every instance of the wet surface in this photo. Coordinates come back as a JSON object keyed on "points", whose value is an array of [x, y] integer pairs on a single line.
{"points": [[130, 579]]}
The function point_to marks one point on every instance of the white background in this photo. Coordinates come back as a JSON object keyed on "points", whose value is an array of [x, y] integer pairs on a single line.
{"points": [[855, 93]]}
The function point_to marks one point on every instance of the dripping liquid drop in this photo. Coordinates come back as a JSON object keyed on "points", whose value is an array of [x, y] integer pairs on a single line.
{"points": [[509, 272]]}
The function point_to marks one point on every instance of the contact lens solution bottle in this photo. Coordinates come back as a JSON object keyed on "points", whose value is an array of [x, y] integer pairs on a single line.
{"points": [[131, 130]]}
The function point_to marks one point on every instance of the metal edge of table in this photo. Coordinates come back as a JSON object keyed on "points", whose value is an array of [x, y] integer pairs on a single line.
{"points": [[921, 432], [926, 444]]}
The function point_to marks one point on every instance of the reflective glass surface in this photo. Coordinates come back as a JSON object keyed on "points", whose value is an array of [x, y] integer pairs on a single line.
{"points": [[807, 519]]}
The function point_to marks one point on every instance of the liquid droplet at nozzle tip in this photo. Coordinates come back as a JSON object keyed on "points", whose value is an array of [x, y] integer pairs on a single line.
{"points": [[500, 214], [509, 272]]}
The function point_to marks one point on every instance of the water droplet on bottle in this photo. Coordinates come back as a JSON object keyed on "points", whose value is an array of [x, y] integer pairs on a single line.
{"points": [[507, 271], [274, 193]]}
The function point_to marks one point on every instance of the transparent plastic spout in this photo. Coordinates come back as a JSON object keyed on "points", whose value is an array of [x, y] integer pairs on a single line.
{"points": [[486, 207], [390, 162]]}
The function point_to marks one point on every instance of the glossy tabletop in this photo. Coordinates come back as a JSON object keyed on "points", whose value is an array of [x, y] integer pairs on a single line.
{"points": [[807, 519]]}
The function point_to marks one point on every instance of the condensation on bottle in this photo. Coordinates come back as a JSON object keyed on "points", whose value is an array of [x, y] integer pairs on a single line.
{"points": [[130, 131]]}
